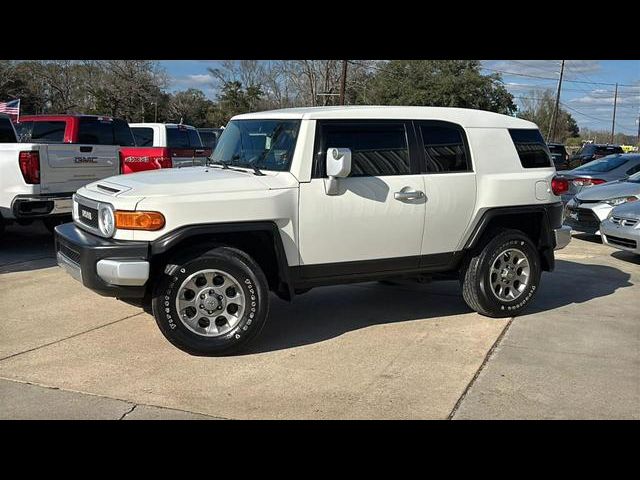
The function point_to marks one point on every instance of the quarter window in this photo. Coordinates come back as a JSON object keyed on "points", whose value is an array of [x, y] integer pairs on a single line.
{"points": [[377, 149], [531, 148], [444, 148]]}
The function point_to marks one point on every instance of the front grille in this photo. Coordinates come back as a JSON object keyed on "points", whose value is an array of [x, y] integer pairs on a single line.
{"points": [[623, 242], [625, 222], [586, 217], [87, 215], [69, 252]]}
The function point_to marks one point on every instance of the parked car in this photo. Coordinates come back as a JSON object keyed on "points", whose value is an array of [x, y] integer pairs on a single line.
{"points": [[590, 207], [95, 130], [210, 136], [37, 180], [181, 143], [621, 229], [593, 151], [597, 172], [559, 156], [301, 198]]}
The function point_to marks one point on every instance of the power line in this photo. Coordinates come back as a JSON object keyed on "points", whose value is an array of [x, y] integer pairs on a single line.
{"points": [[551, 78]]}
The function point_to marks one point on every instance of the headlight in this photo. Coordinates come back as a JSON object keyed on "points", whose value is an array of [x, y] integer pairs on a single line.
{"points": [[106, 222], [620, 200]]}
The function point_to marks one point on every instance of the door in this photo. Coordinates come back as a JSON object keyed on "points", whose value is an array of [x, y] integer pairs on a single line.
{"points": [[376, 219], [449, 186]]}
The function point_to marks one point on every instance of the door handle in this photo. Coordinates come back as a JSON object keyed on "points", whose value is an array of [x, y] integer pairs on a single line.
{"points": [[408, 195]]}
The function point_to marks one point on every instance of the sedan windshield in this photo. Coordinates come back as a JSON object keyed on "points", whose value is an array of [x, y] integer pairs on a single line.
{"points": [[601, 165], [265, 144]]}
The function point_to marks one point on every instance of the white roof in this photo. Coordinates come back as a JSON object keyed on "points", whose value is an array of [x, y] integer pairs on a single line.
{"points": [[462, 116], [148, 124]]}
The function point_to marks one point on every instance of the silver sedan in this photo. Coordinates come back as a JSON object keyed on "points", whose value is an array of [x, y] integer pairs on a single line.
{"points": [[588, 208], [621, 229]]}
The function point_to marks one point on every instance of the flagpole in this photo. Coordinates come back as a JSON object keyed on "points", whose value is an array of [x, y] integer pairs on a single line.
{"points": [[18, 118]]}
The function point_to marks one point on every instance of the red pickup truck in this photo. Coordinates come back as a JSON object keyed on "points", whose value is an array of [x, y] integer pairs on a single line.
{"points": [[94, 130]]}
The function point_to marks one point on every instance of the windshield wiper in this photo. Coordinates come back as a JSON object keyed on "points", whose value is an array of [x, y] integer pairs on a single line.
{"points": [[225, 165], [256, 171]]}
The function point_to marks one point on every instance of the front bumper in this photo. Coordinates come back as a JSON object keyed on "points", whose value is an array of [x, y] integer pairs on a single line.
{"points": [[112, 268], [620, 236], [38, 206], [586, 217]]}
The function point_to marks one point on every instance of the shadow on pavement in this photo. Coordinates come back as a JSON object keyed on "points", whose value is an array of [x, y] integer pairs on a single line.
{"points": [[24, 248], [587, 237], [329, 312], [573, 282], [626, 256]]}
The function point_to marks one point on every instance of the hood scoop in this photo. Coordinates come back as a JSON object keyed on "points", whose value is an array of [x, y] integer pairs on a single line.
{"points": [[108, 190]]}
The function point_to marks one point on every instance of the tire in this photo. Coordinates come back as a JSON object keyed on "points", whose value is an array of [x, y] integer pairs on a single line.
{"points": [[193, 334], [489, 278]]}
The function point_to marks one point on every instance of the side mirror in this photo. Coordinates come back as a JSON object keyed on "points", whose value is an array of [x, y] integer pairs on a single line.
{"points": [[338, 162]]}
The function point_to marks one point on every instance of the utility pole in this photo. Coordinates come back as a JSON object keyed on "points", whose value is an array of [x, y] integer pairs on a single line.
{"points": [[613, 124], [554, 117], [343, 81]]}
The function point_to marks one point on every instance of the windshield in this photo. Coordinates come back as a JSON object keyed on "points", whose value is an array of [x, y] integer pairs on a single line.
{"points": [[604, 164], [266, 144]]}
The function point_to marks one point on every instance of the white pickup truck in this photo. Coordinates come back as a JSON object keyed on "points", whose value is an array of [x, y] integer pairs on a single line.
{"points": [[37, 181]]}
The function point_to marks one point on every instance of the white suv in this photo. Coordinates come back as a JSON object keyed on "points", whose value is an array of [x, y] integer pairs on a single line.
{"points": [[299, 198]]}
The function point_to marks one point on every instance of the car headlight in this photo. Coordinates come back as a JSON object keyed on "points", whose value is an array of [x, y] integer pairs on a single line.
{"points": [[620, 200], [106, 220]]}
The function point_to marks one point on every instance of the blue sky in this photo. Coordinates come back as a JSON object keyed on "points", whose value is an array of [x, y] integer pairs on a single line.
{"points": [[587, 92]]}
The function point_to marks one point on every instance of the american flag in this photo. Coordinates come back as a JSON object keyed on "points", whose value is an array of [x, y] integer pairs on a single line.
{"points": [[11, 108]]}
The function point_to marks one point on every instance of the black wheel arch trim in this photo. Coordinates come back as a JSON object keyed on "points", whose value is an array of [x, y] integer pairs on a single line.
{"points": [[551, 220], [166, 242]]}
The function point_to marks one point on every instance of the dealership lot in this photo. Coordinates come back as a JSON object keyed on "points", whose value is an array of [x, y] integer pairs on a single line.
{"points": [[357, 351]]}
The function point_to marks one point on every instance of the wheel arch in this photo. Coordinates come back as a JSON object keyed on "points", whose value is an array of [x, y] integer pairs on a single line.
{"points": [[261, 240], [536, 221]]}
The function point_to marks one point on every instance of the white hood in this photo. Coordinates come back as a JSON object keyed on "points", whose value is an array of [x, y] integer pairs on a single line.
{"points": [[191, 180]]}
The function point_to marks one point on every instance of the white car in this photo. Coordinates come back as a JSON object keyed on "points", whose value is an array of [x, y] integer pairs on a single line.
{"points": [[38, 180], [621, 229], [301, 198], [182, 142]]}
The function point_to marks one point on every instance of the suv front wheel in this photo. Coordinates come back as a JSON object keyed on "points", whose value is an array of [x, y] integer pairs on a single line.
{"points": [[501, 278], [213, 303]]}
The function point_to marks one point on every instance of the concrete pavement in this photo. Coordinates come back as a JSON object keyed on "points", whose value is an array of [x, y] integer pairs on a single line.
{"points": [[358, 351]]}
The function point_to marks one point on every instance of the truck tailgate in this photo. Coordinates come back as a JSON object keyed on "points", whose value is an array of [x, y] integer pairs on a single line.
{"points": [[67, 167]]}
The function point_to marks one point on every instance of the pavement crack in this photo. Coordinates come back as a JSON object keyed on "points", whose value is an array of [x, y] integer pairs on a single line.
{"points": [[69, 337], [477, 374], [128, 411]]}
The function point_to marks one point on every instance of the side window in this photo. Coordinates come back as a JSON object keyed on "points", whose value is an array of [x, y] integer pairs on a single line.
{"points": [[377, 149], [531, 148], [194, 138], [444, 148], [7, 134], [143, 136]]}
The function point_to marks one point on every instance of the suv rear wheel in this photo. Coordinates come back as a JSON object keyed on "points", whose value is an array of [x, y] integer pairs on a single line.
{"points": [[502, 276], [213, 303]]}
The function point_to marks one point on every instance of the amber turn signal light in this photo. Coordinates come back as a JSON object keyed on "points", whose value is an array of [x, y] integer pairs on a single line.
{"points": [[126, 220]]}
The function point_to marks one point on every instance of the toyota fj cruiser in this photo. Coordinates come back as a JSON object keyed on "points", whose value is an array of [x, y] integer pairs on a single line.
{"points": [[299, 198]]}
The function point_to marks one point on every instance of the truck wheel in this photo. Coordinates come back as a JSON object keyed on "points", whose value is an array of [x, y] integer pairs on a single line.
{"points": [[503, 275], [214, 303]]}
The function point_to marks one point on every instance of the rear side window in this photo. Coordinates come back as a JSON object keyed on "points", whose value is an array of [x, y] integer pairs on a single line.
{"points": [[376, 149], [444, 148], [531, 148], [7, 134], [47, 132], [178, 138], [608, 150], [194, 138], [143, 136]]}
